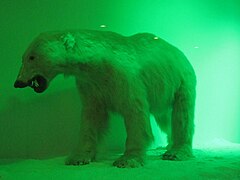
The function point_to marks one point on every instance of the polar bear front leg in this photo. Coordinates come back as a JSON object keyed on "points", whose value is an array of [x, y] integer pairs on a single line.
{"points": [[92, 124], [139, 136]]}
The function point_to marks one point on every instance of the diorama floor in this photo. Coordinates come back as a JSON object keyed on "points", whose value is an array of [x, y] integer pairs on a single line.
{"points": [[219, 160]]}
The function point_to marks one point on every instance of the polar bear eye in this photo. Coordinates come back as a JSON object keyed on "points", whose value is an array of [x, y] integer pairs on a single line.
{"points": [[31, 58]]}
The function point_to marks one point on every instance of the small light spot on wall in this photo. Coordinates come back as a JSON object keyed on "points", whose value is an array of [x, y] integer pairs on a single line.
{"points": [[196, 47], [156, 38], [103, 26]]}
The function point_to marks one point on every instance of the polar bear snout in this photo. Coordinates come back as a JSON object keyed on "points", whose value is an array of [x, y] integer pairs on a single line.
{"points": [[20, 84], [38, 83]]}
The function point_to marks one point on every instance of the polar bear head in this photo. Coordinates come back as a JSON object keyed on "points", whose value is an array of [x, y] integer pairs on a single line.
{"points": [[41, 59]]}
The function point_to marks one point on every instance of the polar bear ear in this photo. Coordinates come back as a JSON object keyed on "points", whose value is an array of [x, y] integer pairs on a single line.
{"points": [[68, 41]]}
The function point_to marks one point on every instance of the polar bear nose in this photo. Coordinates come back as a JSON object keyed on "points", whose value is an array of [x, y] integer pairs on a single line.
{"points": [[20, 84]]}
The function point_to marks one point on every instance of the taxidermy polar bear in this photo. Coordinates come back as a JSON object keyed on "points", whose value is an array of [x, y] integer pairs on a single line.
{"points": [[133, 76]]}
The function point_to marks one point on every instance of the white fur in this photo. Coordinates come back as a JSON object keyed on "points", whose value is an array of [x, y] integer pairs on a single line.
{"points": [[133, 76]]}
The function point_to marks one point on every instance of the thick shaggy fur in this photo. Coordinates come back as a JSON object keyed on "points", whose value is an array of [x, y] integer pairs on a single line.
{"points": [[133, 76]]}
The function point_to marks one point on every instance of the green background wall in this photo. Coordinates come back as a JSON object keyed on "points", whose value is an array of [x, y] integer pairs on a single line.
{"points": [[40, 125]]}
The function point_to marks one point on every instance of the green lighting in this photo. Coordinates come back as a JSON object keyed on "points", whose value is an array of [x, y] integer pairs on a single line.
{"points": [[207, 31]]}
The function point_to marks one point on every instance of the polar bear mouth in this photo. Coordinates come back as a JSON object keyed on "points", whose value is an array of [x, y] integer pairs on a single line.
{"points": [[38, 83]]}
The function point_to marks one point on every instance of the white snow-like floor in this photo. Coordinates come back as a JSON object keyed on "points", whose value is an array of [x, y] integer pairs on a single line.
{"points": [[217, 160]]}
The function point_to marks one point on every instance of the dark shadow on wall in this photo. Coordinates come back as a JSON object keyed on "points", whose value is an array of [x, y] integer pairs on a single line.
{"points": [[41, 127], [46, 126]]}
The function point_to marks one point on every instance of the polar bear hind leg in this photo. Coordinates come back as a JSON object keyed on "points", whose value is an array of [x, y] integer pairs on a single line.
{"points": [[182, 124]]}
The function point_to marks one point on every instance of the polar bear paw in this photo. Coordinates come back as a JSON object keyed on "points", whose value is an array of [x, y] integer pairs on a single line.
{"points": [[78, 160], [178, 154], [128, 162]]}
